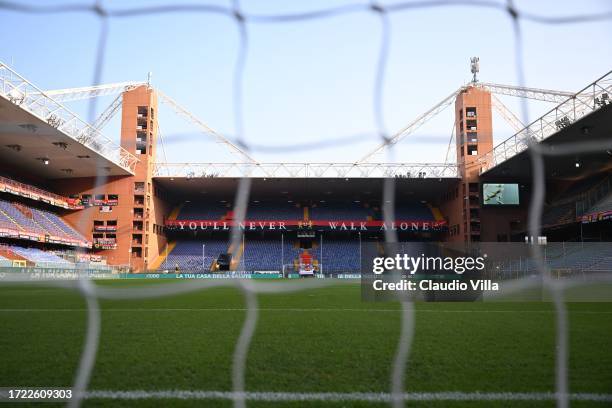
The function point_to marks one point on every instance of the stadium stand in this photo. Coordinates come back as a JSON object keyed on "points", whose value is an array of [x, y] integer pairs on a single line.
{"points": [[291, 253], [274, 211], [17, 216], [5, 262], [40, 257], [323, 210], [358, 211], [340, 256], [11, 186], [339, 211], [256, 211], [582, 198], [188, 255], [258, 255], [559, 214], [54, 219], [203, 211], [263, 255], [570, 256], [31, 223], [604, 205], [413, 211]]}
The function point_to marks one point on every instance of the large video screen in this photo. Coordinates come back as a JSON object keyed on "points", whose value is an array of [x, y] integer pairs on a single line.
{"points": [[500, 194]]}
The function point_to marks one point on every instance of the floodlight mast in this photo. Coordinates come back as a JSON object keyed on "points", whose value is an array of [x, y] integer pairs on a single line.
{"points": [[475, 68]]}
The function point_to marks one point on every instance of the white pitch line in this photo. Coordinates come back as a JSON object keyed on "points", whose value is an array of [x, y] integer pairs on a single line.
{"points": [[342, 396], [215, 309]]}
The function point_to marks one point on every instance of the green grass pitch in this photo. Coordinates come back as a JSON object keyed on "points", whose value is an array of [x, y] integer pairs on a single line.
{"points": [[323, 340]]}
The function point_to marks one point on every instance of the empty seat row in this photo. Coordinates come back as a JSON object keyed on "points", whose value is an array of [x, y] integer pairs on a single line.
{"points": [[38, 221]]}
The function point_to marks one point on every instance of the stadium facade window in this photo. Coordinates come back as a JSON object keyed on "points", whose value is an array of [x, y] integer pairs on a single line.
{"points": [[472, 150], [470, 112], [142, 125], [139, 186], [471, 124], [136, 252], [472, 137], [141, 142]]}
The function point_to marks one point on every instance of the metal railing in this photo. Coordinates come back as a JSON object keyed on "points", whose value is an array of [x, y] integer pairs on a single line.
{"points": [[54, 199], [591, 98], [27, 96], [307, 170]]}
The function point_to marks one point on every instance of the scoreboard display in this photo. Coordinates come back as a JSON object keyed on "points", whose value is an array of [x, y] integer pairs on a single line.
{"points": [[499, 194]]}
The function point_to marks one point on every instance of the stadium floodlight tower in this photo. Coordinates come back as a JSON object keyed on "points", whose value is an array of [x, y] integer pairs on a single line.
{"points": [[474, 138], [474, 68]]}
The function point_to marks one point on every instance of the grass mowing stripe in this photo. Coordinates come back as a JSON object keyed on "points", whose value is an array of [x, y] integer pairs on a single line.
{"points": [[214, 309], [343, 397]]}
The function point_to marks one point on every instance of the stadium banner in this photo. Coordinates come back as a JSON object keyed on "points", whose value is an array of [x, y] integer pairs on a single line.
{"points": [[482, 271], [348, 276], [230, 275], [595, 217], [45, 274], [283, 225], [52, 273]]}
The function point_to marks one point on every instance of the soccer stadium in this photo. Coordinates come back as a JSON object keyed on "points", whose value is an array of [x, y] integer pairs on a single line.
{"points": [[133, 275]]}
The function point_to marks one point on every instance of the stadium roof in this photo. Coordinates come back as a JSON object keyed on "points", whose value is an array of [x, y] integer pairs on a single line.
{"points": [[306, 188], [594, 127], [44, 137], [583, 117], [26, 141]]}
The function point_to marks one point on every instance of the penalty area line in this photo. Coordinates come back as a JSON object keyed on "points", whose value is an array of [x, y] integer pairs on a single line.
{"points": [[339, 396]]}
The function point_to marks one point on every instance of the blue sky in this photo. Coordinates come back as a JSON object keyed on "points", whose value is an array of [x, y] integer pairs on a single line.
{"points": [[309, 81]]}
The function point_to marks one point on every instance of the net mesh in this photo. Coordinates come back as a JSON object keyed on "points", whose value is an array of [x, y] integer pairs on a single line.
{"points": [[243, 22]]}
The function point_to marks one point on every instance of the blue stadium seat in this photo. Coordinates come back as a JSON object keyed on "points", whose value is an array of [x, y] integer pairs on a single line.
{"points": [[40, 257], [340, 256]]}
